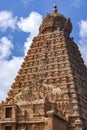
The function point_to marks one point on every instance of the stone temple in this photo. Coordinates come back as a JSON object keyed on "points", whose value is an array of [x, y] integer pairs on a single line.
{"points": [[50, 90]]}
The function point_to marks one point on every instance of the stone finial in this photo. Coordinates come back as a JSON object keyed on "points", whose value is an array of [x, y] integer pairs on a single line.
{"points": [[55, 8]]}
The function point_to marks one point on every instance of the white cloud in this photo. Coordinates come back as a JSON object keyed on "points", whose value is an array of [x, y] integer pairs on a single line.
{"points": [[83, 29], [8, 68], [8, 71], [30, 25], [5, 47], [28, 43], [83, 39], [7, 20], [83, 49]]}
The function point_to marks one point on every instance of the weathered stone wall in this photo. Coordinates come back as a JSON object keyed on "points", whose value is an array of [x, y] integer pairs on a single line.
{"points": [[79, 72], [56, 122]]}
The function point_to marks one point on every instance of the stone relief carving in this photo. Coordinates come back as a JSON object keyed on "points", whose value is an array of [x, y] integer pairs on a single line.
{"points": [[34, 127], [53, 92], [42, 91], [23, 128]]}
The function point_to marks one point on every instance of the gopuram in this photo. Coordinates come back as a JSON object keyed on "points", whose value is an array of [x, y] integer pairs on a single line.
{"points": [[50, 90]]}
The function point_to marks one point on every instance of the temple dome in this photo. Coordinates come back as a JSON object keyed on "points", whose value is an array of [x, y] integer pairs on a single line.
{"points": [[56, 21]]}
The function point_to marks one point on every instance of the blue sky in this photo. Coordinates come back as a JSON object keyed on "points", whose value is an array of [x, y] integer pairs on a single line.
{"points": [[19, 23]]}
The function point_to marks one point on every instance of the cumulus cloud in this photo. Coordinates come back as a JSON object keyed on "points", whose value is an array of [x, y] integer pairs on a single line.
{"points": [[30, 25], [83, 29], [8, 68], [7, 20], [83, 39], [5, 47], [83, 49], [8, 71]]}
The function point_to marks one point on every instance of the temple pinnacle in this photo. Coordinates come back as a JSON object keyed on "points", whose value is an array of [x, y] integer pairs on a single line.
{"points": [[55, 8]]}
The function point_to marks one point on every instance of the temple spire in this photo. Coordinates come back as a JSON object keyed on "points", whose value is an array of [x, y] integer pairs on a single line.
{"points": [[55, 8]]}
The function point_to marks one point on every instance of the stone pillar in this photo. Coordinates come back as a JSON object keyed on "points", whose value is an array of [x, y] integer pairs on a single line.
{"points": [[14, 127], [50, 119], [0, 127], [3, 127], [4, 109], [14, 112]]}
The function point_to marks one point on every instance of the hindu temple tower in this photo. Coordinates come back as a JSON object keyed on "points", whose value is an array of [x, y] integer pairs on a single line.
{"points": [[50, 90]]}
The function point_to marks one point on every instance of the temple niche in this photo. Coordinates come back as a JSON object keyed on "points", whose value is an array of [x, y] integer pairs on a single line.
{"points": [[50, 90]]}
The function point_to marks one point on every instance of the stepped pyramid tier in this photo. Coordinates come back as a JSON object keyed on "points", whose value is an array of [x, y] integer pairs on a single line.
{"points": [[50, 90]]}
